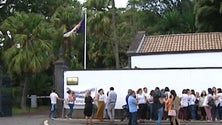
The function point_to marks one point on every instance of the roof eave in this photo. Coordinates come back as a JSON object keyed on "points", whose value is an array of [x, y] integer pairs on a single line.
{"points": [[174, 52]]}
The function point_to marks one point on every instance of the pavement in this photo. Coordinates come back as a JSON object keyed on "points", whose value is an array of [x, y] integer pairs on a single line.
{"points": [[44, 120]]}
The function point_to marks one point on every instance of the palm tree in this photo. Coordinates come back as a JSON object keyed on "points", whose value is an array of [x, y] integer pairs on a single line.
{"points": [[31, 47], [103, 24], [115, 41], [64, 19], [99, 17]]}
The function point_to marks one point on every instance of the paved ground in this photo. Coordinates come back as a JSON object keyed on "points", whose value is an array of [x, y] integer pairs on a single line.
{"points": [[44, 120]]}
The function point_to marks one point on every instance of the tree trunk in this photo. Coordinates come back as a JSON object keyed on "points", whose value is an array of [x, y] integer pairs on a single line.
{"points": [[24, 91], [115, 42]]}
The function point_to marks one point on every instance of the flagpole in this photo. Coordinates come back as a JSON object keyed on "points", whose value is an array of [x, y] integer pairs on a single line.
{"points": [[85, 39]]}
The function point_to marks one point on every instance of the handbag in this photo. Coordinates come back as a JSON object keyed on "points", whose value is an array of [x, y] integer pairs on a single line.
{"points": [[172, 113]]}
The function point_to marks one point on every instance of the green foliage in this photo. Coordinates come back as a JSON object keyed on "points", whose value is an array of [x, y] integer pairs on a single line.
{"points": [[35, 39], [46, 7], [101, 51], [100, 23], [100, 54], [40, 84], [98, 5], [30, 48], [66, 15], [64, 19], [16, 95], [208, 15], [171, 22]]}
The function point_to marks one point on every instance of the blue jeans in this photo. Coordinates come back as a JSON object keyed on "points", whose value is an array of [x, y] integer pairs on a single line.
{"points": [[159, 113], [151, 111], [133, 118], [52, 110], [70, 110], [192, 109]]}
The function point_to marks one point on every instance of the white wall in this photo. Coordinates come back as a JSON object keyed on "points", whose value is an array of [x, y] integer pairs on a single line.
{"points": [[178, 60], [122, 80]]}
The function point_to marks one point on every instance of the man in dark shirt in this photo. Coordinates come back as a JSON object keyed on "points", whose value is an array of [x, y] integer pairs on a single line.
{"points": [[158, 105]]}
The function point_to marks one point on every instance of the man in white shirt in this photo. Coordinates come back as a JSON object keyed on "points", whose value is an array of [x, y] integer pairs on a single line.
{"points": [[53, 97]]}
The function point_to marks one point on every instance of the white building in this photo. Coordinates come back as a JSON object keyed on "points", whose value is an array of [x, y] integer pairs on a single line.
{"points": [[183, 61], [177, 61], [193, 50]]}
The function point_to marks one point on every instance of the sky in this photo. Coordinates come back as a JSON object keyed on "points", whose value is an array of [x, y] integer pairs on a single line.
{"points": [[119, 3]]}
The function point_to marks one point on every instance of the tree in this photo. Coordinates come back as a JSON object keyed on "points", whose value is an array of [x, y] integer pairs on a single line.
{"points": [[102, 20], [158, 6], [31, 47], [171, 22], [99, 21], [208, 15], [114, 36], [64, 19]]}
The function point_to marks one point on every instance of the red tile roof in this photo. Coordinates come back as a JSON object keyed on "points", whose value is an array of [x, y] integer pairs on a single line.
{"points": [[176, 43]]}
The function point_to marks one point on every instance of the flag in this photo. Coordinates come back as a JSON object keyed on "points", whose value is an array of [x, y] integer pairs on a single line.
{"points": [[82, 26], [79, 28]]}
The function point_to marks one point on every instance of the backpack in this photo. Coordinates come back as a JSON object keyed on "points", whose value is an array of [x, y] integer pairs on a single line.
{"points": [[211, 102]]}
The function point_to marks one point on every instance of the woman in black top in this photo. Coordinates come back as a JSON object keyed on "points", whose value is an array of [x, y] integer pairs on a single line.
{"points": [[88, 107]]}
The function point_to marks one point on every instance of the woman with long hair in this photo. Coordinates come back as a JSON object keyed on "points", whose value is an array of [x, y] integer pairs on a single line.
{"points": [[201, 107], [100, 98], [175, 105], [88, 109]]}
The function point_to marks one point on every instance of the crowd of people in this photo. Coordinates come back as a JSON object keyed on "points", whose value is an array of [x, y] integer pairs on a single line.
{"points": [[157, 104], [104, 104], [165, 104]]}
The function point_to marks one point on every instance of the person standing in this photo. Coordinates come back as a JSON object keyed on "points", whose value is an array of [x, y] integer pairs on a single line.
{"points": [[214, 108], [158, 101], [142, 104], [166, 91], [192, 105], [147, 95], [132, 102], [127, 106], [206, 106], [150, 107], [183, 115], [201, 107], [219, 95], [175, 105], [88, 109], [53, 98], [70, 100], [100, 98], [112, 97], [168, 107]]}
